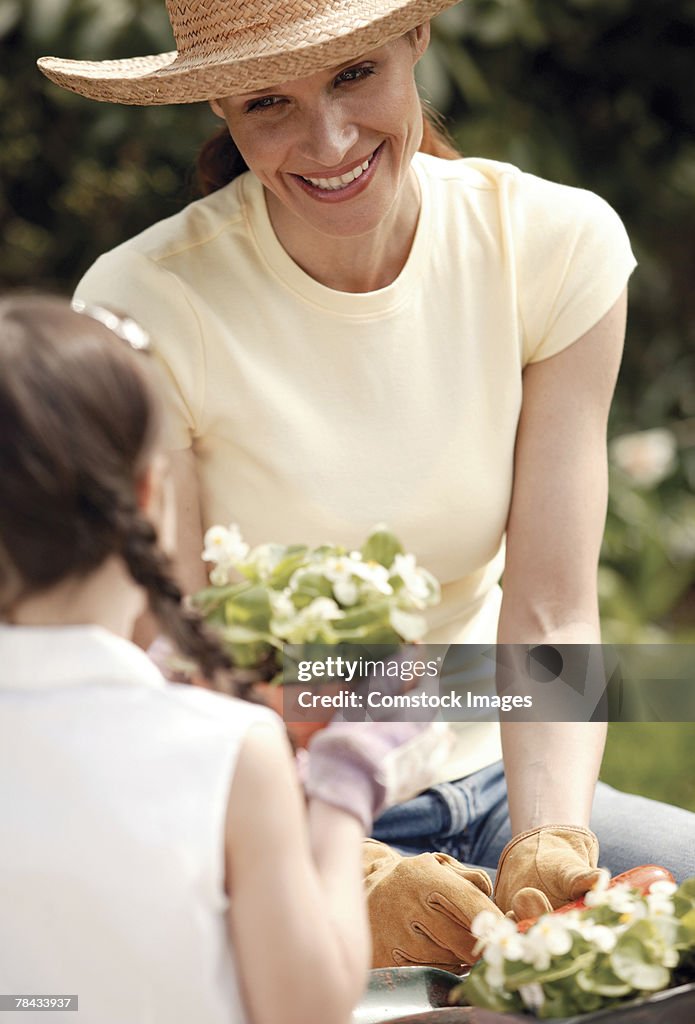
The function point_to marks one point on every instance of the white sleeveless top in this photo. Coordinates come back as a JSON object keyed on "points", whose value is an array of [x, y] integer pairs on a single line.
{"points": [[112, 807]]}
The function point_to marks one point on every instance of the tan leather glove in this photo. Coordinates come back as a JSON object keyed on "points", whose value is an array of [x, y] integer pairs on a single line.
{"points": [[541, 869], [421, 908]]}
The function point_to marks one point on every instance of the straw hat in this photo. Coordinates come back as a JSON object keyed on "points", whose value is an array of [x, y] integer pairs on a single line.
{"points": [[233, 46]]}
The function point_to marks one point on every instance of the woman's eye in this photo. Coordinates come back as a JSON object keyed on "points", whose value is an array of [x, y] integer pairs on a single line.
{"points": [[264, 103], [355, 74]]}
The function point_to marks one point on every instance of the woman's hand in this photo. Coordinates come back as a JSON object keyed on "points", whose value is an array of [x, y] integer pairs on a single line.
{"points": [[544, 868], [421, 908]]}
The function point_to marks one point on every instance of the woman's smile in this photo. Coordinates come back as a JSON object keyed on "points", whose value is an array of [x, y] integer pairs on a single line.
{"points": [[340, 185]]}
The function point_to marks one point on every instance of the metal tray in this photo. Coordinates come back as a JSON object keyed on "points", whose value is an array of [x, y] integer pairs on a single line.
{"points": [[418, 995]]}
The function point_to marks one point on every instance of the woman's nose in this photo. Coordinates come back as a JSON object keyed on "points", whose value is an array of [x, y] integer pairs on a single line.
{"points": [[329, 135]]}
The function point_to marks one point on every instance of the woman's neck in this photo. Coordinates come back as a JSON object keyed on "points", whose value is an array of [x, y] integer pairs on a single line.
{"points": [[362, 263], [107, 597]]}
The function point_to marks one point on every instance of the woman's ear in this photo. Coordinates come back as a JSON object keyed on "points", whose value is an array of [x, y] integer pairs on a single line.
{"points": [[216, 108], [420, 39]]}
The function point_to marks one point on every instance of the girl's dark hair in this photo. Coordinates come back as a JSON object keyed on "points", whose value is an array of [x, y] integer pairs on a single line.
{"points": [[219, 161], [79, 420]]}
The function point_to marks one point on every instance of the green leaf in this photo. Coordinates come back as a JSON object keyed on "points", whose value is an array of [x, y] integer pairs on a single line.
{"points": [[558, 1002], [381, 546], [603, 981], [560, 968], [684, 897], [632, 963], [250, 607], [295, 557], [212, 597], [308, 586], [475, 991], [688, 924], [369, 616]]}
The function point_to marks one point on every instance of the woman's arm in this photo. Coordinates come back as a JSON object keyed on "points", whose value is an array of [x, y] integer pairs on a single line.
{"points": [[189, 567], [297, 912], [554, 534]]}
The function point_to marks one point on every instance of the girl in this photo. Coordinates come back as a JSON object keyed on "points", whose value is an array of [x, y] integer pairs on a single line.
{"points": [[155, 860]]}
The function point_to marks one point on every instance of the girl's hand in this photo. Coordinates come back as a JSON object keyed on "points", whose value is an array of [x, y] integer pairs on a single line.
{"points": [[365, 767]]}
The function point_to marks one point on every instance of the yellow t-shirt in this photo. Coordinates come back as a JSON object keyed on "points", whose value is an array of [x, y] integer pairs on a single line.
{"points": [[315, 414]]}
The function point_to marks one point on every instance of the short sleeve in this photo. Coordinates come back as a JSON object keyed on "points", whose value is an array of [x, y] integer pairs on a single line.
{"points": [[573, 259], [131, 283]]}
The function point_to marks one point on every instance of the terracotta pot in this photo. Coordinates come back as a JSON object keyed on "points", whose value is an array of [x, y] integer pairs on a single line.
{"points": [[301, 724]]}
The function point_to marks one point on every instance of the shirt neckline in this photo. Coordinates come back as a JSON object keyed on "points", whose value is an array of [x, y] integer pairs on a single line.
{"points": [[350, 304], [59, 657]]}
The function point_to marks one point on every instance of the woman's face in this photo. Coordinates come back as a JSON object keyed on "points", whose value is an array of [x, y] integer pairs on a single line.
{"points": [[335, 148]]}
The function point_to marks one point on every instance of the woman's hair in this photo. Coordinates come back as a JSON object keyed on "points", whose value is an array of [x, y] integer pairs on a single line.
{"points": [[219, 160], [79, 421]]}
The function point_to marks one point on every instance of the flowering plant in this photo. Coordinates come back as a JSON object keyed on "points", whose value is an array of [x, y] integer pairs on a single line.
{"points": [[300, 595], [624, 944]]}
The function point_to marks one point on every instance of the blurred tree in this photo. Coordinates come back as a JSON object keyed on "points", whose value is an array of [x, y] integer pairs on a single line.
{"points": [[79, 177]]}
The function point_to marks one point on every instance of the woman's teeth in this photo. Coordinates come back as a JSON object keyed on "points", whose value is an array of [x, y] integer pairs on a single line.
{"points": [[343, 180]]}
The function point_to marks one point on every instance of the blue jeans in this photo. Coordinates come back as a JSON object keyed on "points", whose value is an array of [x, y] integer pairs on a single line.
{"points": [[469, 820]]}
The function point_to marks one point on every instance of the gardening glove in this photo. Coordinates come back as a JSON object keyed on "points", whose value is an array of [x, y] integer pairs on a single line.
{"points": [[365, 767], [421, 908], [544, 868]]}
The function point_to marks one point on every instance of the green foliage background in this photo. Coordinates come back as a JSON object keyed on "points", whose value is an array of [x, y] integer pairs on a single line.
{"points": [[596, 93]]}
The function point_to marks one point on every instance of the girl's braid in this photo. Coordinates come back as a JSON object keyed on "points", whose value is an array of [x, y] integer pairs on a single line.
{"points": [[151, 568]]}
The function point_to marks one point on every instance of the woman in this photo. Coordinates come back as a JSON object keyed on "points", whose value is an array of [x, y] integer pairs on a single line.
{"points": [[357, 330]]}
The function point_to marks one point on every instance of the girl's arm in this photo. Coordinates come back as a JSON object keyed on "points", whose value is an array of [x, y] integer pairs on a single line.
{"points": [[297, 912], [554, 534]]}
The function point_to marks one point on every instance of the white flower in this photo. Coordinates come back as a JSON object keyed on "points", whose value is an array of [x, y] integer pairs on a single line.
{"points": [[224, 546], [658, 899], [346, 592], [309, 624], [670, 958], [647, 457], [484, 924], [532, 995], [419, 585], [619, 898], [220, 576], [550, 937], [494, 975], [498, 937], [663, 888], [264, 559], [281, 603], [344, 569], [603, 938], [371, 572]]}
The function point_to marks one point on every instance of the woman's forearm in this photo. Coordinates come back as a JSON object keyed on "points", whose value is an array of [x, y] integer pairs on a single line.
{"points": [[552, 767], [551, 770]]}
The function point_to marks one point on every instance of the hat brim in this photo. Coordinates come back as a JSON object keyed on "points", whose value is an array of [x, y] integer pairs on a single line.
{"points": [[285, 53]]}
